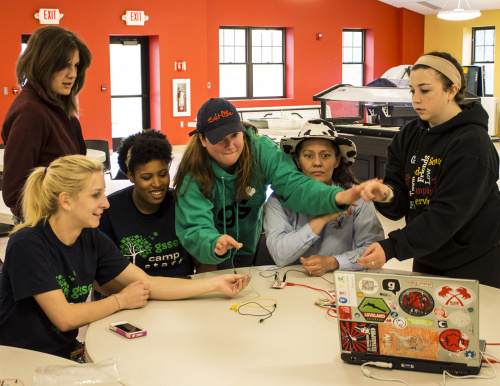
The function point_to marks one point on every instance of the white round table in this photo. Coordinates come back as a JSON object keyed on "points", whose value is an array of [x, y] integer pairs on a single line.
{"points": [[203, 341], [17, 363]]}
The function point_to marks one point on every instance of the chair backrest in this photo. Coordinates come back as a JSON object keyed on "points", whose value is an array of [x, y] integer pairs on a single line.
{"points": [[102, 145]]}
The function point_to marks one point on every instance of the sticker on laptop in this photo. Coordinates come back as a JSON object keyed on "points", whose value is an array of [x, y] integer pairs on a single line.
{"points": [[399, 322], [368, 285], [374, 309], [454, 340], [361, 337], [345, 283], [459, 318], [416, 302], [453, 295], [413, 342], [440, 312], [344, 312], [391, 285]]}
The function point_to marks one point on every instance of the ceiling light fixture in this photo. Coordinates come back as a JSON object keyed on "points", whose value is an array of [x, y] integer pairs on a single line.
{"points": [[458, 13]]}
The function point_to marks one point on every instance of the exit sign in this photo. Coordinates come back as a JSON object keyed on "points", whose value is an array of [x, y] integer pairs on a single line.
{"points": [[135, 17], [48, 16]]}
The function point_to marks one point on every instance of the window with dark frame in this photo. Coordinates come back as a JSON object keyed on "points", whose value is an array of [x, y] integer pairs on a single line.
{"points": [[252, 62], [130, 87], [353, 57], [483, 54]]}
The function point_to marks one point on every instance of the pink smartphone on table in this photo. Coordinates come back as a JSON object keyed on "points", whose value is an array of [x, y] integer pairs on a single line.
{"points": [[128, 330]]}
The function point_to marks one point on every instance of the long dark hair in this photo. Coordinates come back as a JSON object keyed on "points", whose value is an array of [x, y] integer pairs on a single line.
{"points": [[48, 51]]}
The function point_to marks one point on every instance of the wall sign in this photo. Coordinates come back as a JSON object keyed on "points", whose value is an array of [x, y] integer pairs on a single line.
{"points": [[48, 16], [135, 17]]}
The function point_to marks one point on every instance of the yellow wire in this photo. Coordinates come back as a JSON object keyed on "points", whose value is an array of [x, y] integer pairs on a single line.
{"points": [[240, 304]]}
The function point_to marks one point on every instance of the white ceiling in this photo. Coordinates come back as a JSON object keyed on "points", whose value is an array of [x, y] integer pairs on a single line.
{"points": [[432, 7]]}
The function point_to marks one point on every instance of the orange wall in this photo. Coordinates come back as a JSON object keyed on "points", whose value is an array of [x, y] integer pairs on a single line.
{"points": [[188, 30]]}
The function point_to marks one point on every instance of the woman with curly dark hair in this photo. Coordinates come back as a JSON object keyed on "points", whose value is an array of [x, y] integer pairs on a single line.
{"points": [[141, 218]]}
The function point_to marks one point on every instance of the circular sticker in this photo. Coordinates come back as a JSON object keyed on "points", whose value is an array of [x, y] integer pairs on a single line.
{"points": [[454, 340], [440, 312], [453, 295], [459, 318], [368, 285], [416, 302], [399, 323]]}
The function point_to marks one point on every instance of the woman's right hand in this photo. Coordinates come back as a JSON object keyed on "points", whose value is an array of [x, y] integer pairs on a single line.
{"points": [[225, 243], [135, 295]]}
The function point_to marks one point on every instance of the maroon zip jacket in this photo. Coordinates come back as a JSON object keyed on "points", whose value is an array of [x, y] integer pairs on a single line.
{"points": [[34, 132]]}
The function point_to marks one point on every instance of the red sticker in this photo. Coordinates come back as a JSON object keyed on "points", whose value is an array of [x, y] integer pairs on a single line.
{"points": [[361, 337], [454, 340], [454, 296], [345, 312]]}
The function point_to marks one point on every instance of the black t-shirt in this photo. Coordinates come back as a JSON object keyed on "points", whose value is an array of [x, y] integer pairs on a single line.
{"points": [[146, 240], [36, 262]]}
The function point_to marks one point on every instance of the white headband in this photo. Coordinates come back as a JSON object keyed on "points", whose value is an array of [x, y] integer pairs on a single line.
{"points": [[442, 65]]}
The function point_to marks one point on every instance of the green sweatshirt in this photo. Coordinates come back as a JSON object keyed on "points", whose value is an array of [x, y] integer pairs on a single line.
{"points": [[199, 222]]}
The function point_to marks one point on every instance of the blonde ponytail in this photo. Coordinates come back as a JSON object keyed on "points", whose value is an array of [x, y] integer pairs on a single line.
{"points": [[40, 195]]}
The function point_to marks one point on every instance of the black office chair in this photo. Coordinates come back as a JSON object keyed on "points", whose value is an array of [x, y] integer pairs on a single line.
{"points": [[102, 145]]}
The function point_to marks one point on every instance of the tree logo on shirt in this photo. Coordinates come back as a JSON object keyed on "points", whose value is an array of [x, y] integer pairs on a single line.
{"points": [[64, 284], [132, 246]]}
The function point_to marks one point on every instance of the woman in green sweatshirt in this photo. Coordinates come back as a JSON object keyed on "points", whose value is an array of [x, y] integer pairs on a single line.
{"points": [[221, 188]]}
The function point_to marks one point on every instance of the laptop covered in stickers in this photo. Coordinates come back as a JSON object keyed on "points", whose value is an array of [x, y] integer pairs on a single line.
{"points": [[414, 321]]}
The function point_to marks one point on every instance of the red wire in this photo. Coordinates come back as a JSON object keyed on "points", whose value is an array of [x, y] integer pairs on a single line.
{"points": [[317, 289], [493, 344]]}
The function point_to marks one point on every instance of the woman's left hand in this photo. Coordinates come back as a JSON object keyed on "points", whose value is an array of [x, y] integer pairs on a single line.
{"points": [[376, 191], [231, 285], [318, 265], [350, 196], [372, 257]]}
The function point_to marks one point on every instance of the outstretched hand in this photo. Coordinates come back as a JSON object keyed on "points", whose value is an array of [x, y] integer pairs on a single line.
{"points": [[376, 191], [225, 243], [350, 196], [231, 285]]}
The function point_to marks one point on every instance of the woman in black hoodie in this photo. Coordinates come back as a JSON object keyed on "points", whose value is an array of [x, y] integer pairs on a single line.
{"points": [[443, 170]]}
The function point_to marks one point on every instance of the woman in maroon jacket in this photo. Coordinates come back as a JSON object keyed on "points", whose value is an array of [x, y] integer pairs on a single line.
{"points": [[41, 124]]}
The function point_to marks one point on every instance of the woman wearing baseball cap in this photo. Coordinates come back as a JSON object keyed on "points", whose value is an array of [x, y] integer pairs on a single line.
{"points": [[221, 188], [330, 241]]}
